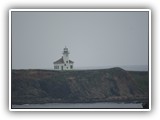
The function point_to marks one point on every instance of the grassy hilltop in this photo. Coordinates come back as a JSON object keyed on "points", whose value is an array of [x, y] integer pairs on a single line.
{"points": [[43, 86]]}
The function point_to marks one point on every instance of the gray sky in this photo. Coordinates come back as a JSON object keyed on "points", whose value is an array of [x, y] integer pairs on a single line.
{"points": [[93, 38]]}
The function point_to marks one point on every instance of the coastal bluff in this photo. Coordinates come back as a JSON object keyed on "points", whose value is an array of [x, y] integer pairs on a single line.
{"points": [[101, 85]]}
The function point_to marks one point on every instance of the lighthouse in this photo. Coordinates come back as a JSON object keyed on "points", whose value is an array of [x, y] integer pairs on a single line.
{"points": [[64, 63], [66, 55]]}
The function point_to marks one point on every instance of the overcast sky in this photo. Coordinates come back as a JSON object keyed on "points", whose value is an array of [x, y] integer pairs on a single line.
{"points": [[93, 38]]}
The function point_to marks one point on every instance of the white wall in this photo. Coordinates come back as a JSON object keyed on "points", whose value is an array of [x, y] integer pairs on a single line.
{"points": [[64, 67], [59, 65]]}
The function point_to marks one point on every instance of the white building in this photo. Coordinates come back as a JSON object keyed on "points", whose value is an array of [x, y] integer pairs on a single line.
{"points": [[64, 63]]}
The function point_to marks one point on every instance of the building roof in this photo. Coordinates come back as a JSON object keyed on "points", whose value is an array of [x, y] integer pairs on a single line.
{"points": [[60, 61], [71, 61]]}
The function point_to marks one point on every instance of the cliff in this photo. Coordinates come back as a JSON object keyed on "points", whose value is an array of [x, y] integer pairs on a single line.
{"points": [[43, 86]]}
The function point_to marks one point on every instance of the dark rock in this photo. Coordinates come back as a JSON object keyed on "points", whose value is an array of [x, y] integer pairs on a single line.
{"points": [[145, 105]]}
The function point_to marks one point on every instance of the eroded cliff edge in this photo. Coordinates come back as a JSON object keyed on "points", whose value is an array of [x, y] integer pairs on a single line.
{"points": [[44, 86]]}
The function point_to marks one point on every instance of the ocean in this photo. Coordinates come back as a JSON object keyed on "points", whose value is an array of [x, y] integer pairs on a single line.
{"points": [[98, 105]]}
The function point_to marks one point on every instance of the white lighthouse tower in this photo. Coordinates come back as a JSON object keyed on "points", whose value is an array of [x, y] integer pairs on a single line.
{"points": [[64, 63], [66, 58], [66, 55]]}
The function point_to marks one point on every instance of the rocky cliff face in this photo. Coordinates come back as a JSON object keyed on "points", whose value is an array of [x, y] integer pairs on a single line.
{"points": [[41, 86]]}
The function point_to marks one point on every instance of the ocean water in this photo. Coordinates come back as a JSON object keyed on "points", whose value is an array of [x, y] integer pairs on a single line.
{"points": [[81, 105]]}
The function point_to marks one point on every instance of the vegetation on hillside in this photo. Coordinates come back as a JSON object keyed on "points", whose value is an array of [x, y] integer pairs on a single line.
{"points": [[142, 80], [42, 86]]}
